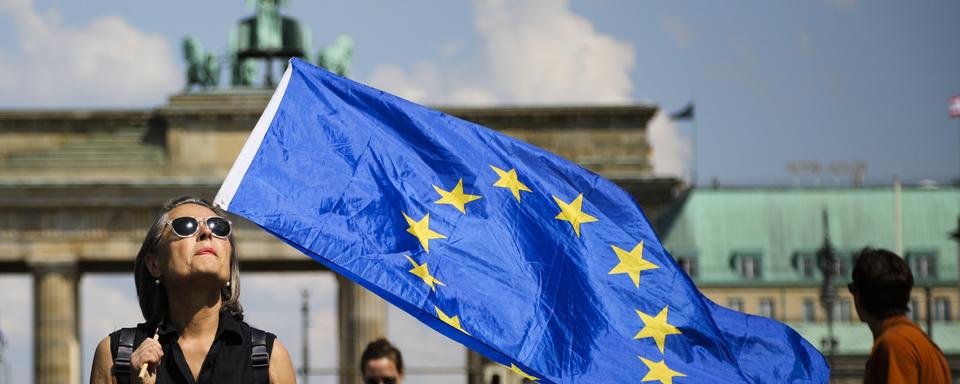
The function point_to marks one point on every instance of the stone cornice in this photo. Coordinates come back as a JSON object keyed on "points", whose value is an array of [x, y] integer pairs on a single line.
{"points": [[245, 107], [72, 121], [557, 117], [72, 194]]}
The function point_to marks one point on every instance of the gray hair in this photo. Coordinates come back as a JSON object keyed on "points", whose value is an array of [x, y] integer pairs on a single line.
{"points": [[152, 297]]}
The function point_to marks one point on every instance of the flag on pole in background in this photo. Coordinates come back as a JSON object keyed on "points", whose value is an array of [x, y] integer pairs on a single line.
{"points": [[518, 254], [687, 113]]}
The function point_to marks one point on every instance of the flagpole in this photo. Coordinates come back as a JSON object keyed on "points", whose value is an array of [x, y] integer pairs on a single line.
{"points": [[953, 108], [695, 149]]}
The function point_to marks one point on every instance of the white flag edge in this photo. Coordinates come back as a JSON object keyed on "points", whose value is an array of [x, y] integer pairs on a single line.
{"points": [[229, 187]]}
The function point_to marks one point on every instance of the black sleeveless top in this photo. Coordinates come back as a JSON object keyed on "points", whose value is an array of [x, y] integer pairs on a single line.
{"points": [[227, 361]]}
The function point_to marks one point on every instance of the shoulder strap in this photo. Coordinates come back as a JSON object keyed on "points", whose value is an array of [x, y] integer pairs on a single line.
{"points": [[121, 364], [259, 355]]}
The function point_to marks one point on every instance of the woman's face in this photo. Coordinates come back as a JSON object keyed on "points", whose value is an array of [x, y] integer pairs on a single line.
{"points": [[197, 258]]}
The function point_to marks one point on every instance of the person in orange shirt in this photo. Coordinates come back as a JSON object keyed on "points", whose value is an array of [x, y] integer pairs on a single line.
{"points": [[901, 353]]}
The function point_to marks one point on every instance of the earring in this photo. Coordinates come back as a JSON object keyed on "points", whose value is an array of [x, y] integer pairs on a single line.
{"points": [[228, 284], [156, 282]]}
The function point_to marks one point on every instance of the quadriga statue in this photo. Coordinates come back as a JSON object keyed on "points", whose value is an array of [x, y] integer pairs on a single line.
{"points": [[336, 57], [203, 70]]}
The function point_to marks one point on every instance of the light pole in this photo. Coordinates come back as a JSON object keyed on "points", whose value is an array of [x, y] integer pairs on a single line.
{"points": [[826, 262], [953, 106], [956, 236], [305, 332]]}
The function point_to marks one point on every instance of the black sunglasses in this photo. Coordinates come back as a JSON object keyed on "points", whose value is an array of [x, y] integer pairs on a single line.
{"points": [[186, 226], [381, 380]]}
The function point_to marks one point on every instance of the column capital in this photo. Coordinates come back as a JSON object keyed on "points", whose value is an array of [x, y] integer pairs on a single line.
{"points": [[53, 265]]}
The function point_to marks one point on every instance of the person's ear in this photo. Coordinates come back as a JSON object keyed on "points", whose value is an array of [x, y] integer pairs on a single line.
{"points": [[152, 266]]}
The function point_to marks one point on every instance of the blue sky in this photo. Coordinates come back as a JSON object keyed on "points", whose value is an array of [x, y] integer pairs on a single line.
{"points": [[774, 83]]}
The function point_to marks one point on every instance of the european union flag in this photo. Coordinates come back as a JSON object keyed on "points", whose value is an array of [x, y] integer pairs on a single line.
{"points": [[514, 252]]}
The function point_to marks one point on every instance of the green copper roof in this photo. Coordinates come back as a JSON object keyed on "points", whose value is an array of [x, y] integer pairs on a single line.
{"points": [[778, 224], [855, 338]]}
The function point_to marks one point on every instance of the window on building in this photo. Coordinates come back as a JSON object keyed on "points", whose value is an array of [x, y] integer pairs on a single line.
{"points": [[914, 309], [923, 264], [688, 264], [941, 309], [767, 308], [809, 310], [748, 265], [841, 266], [806, 264], [841, 311], [735, 304]]}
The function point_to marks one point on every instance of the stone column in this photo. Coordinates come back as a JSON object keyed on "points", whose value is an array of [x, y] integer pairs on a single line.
{"points": [[475, 367], [362, 318], [56, 336]]}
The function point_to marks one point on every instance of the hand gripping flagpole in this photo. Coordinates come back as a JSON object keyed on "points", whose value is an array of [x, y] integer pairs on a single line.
{"points": [[143, 367]]}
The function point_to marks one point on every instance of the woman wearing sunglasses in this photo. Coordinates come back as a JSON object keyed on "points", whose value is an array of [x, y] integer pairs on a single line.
{"points": [[188, 285]]}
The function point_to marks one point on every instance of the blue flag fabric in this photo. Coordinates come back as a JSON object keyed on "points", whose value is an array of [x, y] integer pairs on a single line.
{"points": [[527, 258]]}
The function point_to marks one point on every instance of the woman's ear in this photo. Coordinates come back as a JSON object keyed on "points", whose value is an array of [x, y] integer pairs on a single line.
{"points": [[152, 265]]}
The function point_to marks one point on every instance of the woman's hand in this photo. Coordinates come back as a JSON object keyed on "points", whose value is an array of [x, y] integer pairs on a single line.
{"points": [[148, 352]]}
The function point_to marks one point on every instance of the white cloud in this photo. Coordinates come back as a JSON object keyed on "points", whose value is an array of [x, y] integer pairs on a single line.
{"points": [[671, 149], [536, 52], [106, 62], [541, 52]]}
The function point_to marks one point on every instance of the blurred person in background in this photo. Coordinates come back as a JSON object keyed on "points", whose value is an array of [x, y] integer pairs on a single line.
{"points": [[381, 363], [902, 352]]}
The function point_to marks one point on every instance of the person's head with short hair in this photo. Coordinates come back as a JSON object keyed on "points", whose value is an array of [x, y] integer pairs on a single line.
{"points": [[881, 284], [381, 363]]}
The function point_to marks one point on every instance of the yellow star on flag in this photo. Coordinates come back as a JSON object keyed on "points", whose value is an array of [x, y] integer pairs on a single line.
{"points": [[509, 180], [515, 369], [632, 263], [421, 230], [573, 212], [656, 327], [455, 197], [421, 271], [453, 321], [659, 371]]}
